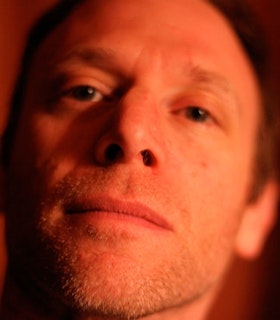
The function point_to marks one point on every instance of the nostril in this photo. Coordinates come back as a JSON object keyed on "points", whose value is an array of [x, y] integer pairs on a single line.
{"points": [[113, 152], [147, 157]]}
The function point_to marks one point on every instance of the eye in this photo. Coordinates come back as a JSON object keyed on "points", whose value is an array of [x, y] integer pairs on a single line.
{"points": [[197, 114], [85, 93]]}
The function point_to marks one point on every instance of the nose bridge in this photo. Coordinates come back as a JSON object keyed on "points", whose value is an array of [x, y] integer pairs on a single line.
{"points": [[134, 130], [136, 119], [139, 108]]}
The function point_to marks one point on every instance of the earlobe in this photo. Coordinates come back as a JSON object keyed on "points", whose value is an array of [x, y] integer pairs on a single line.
{"points": [[257, 222]]}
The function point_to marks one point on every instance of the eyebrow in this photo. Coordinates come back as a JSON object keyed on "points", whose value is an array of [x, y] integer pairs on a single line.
{"points": [[210, 78], [215, 82], [105, 59], [97, 58]]}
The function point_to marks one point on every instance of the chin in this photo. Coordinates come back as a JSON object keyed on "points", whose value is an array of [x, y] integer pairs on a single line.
{"points": [[115, 284]]}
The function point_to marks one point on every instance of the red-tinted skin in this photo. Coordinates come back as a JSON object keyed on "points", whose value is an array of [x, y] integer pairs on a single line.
{"points": [[126, 237]]}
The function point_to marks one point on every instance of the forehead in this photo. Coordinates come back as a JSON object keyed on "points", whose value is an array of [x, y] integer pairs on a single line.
{"points": [[170, 34], [175, 24], [177, 14], [166, 21]]}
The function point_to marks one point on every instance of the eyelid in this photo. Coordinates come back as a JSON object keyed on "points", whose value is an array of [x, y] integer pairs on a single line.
{"points": [[201, 99], [89, 82], [60, 85], [73, 93], [205, 114], [195, 114], [61, 80]]}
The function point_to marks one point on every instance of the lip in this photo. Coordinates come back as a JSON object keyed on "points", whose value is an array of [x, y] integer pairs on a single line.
{"points": [[105, 205]]}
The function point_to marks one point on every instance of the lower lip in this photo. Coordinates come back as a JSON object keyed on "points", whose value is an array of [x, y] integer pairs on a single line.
{"points": [[103, 219]]}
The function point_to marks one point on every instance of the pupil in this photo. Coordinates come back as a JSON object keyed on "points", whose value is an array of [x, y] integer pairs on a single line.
{"points": [[84, 93], [198, 114]]}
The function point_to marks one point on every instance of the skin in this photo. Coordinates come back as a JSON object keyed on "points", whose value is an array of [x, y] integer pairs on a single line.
{"points": [[96, 232]]}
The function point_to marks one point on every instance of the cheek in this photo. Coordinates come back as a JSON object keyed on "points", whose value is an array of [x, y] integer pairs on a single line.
{"points": [[215, 188], [212, 204], [46, 148], [208, 209]]}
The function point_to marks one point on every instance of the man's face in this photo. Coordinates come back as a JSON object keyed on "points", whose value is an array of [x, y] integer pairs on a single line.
{"points": [[132, 163]]}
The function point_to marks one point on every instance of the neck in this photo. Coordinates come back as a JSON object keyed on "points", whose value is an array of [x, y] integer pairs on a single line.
{"points": [[18, 304]]}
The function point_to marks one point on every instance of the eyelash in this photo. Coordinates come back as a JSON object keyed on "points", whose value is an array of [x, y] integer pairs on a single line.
{"points": [[197, 114], [86, 93]]}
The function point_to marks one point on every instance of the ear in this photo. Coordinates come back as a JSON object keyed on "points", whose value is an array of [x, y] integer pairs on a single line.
{"points": [[257, 222]]}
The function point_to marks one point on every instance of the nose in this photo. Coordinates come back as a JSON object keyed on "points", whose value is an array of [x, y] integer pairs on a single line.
{"points": [[131, 132]]}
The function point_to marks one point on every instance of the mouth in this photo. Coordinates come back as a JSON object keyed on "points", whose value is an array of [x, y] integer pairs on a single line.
{"points": [[104, 208]]}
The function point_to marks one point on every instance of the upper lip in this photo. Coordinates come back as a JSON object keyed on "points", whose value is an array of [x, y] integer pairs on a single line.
{"points": [[107, 204]]}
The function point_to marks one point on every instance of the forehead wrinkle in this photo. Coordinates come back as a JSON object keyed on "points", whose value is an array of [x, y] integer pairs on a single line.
{"points": [[93, 57], [107, 59]]}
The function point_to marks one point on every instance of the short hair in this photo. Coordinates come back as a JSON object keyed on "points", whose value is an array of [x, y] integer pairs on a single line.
{"points": [[244, 23], [251, 34], [39, 32]]}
